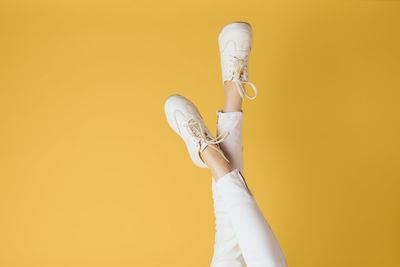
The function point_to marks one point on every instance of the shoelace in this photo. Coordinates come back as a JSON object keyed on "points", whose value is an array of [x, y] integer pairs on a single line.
{"points": [[196, 130], [239, 64]]}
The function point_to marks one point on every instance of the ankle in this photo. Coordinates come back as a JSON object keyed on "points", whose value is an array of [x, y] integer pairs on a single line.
{"points": [[215, 161], [233, 100], [209, 153]]}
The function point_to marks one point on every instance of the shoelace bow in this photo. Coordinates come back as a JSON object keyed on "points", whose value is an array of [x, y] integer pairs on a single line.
{"points": [[196, 130], [239, 65]]}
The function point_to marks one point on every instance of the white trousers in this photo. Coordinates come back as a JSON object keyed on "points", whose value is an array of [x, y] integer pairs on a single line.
{"points": [[243, 237]]}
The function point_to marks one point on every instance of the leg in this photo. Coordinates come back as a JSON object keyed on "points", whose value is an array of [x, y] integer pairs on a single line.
{"points": [[226, 249], [237, 214], [257, 242], [234, 42], [230, 120]]}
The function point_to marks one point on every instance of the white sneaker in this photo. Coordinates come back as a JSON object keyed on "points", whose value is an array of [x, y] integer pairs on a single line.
{"points": [[186, 121], [234, 46]]}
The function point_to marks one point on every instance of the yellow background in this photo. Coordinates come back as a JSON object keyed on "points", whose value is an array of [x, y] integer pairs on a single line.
{"points": [[91, 174]]}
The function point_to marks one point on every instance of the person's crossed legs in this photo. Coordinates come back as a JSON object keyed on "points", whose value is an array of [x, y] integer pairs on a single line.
{"points": [[243, 235]]}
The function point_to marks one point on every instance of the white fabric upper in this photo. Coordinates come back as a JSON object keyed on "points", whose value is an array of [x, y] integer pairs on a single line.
{"points": [[186, 121], [235, 45]]}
